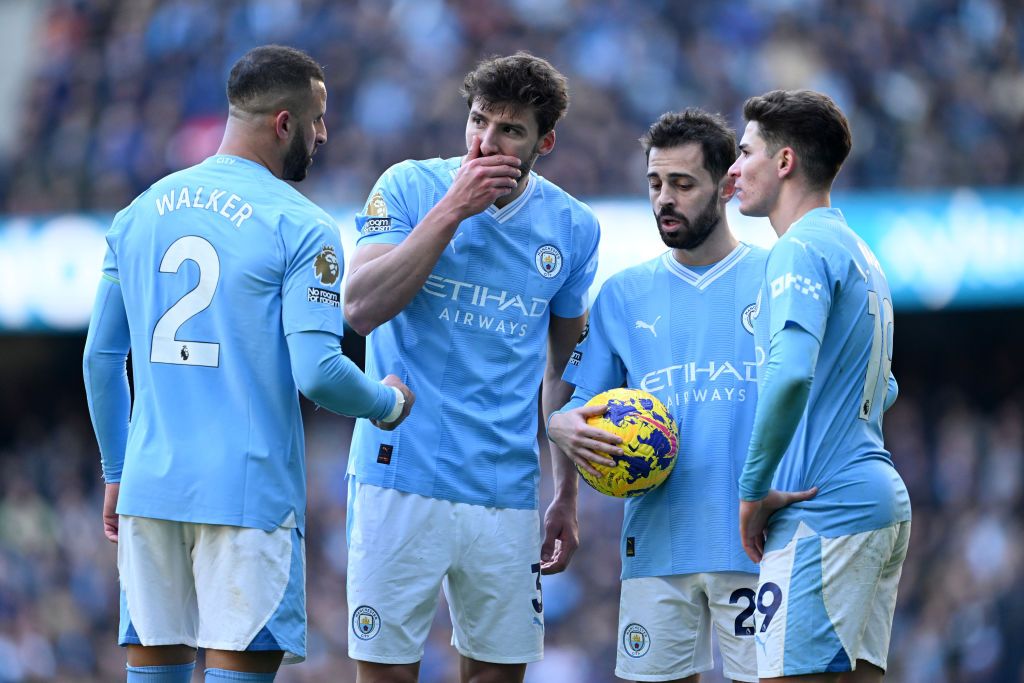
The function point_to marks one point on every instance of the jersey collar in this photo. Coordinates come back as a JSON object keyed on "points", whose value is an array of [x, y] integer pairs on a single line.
{"points": [[703, 280]]}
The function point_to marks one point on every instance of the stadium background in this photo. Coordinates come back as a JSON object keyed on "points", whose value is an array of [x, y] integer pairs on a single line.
{"points": [[100, 97]]}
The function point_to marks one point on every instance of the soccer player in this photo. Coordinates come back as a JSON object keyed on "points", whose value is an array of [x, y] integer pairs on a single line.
{"points": [[829, 565], [224, 283], [679, 327], [466, 269]]}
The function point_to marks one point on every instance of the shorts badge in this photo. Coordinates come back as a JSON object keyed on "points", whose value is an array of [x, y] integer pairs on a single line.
{"points": [[365, 622], [636, 640]]}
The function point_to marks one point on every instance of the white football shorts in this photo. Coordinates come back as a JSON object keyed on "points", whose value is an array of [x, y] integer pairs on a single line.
{"points": [[403, 547], [665, 625], [823, 603], [212, 586]]}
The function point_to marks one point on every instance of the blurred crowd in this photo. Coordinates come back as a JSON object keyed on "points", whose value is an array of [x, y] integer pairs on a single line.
{"points": [[959, 615], [123, 92]]}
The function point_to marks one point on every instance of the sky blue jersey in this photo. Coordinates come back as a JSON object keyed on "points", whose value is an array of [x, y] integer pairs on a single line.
{"points": [[686, 336], [823, 278], [472, 342], [217, 264]]}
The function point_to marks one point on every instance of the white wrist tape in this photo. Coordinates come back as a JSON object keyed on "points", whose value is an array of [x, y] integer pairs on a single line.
{"points": [[396, 412]]}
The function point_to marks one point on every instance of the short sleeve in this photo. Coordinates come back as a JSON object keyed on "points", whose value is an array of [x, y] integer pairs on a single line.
{"points": [[311, 290], [595, 365], [799, 287], [386, 218], [573, 298]]}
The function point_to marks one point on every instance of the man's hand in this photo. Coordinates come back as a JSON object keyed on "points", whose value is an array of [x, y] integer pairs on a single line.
{"points": [[754, 517], [110, 518], [410, 398], [581, 443], [561, 537], [481, 181]]}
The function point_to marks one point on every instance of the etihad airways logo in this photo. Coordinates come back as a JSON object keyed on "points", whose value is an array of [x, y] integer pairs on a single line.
{"points": [[482, 296], [710, 371]]}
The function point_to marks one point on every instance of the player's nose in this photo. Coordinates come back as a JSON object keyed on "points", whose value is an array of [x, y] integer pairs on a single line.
{"points": [[734, 170], [488, 143]]}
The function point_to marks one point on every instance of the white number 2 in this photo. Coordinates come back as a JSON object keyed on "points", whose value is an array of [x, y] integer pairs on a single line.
{"points": [[880, 361], [166, 348]]}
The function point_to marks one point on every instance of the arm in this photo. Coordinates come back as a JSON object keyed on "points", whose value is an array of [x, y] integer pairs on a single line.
{"points": [[384, 278], [561, 528], [783, 389], [105, 373], [328, 378]]}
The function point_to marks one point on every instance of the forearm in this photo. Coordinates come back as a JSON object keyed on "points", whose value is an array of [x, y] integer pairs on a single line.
{"points": [[783, 389], [378, 289], [555, 394], [328, 378], [105, 373]]}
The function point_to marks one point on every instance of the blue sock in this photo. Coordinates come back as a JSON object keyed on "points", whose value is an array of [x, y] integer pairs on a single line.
{"points": [[214, 675], [172, 673]]}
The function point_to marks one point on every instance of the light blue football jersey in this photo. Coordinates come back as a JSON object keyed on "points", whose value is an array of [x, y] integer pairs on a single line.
{"points": [[684, 335], [822, 277], [217, 264], [472, 343]]}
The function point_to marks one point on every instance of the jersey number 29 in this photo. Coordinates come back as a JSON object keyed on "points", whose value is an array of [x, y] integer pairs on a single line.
{"points": [[166, 348]]}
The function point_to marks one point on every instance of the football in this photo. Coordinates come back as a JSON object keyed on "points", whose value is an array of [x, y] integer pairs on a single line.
{"points": [[650, 441]]}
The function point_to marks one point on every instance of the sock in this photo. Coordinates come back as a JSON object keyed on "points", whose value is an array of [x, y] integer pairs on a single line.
{"points": [[214, 675], [172, 673]]}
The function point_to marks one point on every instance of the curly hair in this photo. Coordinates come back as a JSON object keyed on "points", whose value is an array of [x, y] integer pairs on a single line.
{"points": [[520, 81]]}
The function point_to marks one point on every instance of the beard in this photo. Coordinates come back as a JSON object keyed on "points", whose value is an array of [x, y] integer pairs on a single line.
{"points": [[297, 160], [691, 234]]}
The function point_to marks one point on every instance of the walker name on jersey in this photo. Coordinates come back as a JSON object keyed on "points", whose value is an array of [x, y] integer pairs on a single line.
{"points": [[671, 382], [487, 302], [233, 207]]}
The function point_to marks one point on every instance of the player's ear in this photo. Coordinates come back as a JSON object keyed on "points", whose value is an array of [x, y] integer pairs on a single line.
{"points": [[786, 162], [283, 124], [726, 188], [547, 143]]}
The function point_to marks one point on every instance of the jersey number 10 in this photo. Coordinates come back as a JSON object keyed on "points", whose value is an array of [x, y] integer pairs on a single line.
{"points": [[880, 360]]}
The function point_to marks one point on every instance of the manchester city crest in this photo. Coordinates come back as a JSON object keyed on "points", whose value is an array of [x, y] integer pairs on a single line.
{"points": [[365, 622], [549, 261], [636, 640]]}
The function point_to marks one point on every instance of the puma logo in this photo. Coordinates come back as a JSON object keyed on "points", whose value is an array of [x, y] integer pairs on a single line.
{"points": [[640, 324]]}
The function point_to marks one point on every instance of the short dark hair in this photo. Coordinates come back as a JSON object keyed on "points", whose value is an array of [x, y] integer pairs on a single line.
{"points": [[520, 80], [271, 76], [810, 123], [717, 139]]}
